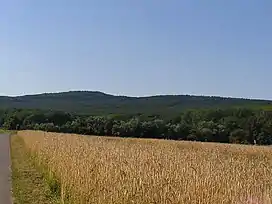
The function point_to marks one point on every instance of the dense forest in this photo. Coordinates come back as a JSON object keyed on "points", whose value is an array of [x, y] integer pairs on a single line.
{"points": [[98, 103], [232, 125]]}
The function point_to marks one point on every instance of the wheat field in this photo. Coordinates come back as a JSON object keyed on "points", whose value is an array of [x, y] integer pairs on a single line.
{"points": [[105, 170]]}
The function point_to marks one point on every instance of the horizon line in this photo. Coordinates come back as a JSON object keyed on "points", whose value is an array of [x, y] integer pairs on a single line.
{"points": [[131, 96]]}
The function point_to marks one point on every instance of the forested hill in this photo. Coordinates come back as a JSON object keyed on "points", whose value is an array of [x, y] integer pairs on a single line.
{"points": [[98, 103], [164, 117]]}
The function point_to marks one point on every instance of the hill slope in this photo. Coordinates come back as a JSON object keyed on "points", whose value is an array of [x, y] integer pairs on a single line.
{"points": [[97, 103]]}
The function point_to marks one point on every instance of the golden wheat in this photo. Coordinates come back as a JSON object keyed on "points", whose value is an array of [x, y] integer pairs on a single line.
{"points": [[106, 170]]}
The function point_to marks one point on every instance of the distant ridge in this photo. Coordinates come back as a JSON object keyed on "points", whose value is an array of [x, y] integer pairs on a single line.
{"points": [[147, 96], [98, 103]]}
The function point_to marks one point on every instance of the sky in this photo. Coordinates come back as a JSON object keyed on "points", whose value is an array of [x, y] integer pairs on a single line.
{"points": [[137, 47]]}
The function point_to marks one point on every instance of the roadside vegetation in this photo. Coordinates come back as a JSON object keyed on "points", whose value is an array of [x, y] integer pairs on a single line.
{"points": [[28, 183], [103, 170], [2, 131]]}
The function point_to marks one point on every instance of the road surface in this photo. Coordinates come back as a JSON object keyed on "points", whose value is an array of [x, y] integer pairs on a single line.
{"points": [[5, 181]]}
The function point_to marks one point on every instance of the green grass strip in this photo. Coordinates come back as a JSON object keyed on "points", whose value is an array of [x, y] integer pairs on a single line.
{"points": [[28, 184]]}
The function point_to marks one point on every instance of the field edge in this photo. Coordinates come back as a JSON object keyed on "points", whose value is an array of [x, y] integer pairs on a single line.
{"points": [[28, 183]]}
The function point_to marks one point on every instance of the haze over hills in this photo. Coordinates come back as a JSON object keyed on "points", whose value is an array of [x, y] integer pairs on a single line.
{"points": [[99, 103]]}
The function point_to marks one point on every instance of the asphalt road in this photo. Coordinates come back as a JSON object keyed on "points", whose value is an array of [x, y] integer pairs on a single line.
{"points": [[5, 180]]}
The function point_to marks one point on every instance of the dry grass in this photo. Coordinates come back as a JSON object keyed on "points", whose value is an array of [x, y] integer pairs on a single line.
{"points": [[112, 170]]}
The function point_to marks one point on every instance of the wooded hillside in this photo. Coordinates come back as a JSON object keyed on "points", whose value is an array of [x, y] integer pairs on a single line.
{"points": [[98, 103]]}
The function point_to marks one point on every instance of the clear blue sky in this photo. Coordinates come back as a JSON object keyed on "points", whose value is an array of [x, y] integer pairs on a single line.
{"points": [[137, 47]]}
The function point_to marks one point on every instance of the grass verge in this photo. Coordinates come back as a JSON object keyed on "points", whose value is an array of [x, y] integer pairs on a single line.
{"points": [[28, 184]]}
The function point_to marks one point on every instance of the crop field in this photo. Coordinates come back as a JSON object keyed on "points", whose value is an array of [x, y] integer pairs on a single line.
{"points": [[106, 170]]}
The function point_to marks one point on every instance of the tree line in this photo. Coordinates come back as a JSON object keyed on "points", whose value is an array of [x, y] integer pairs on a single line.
{"points": [[235, 125]]}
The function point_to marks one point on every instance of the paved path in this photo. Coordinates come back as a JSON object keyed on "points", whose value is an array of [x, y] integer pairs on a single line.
{"points": [[5, 182]]}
